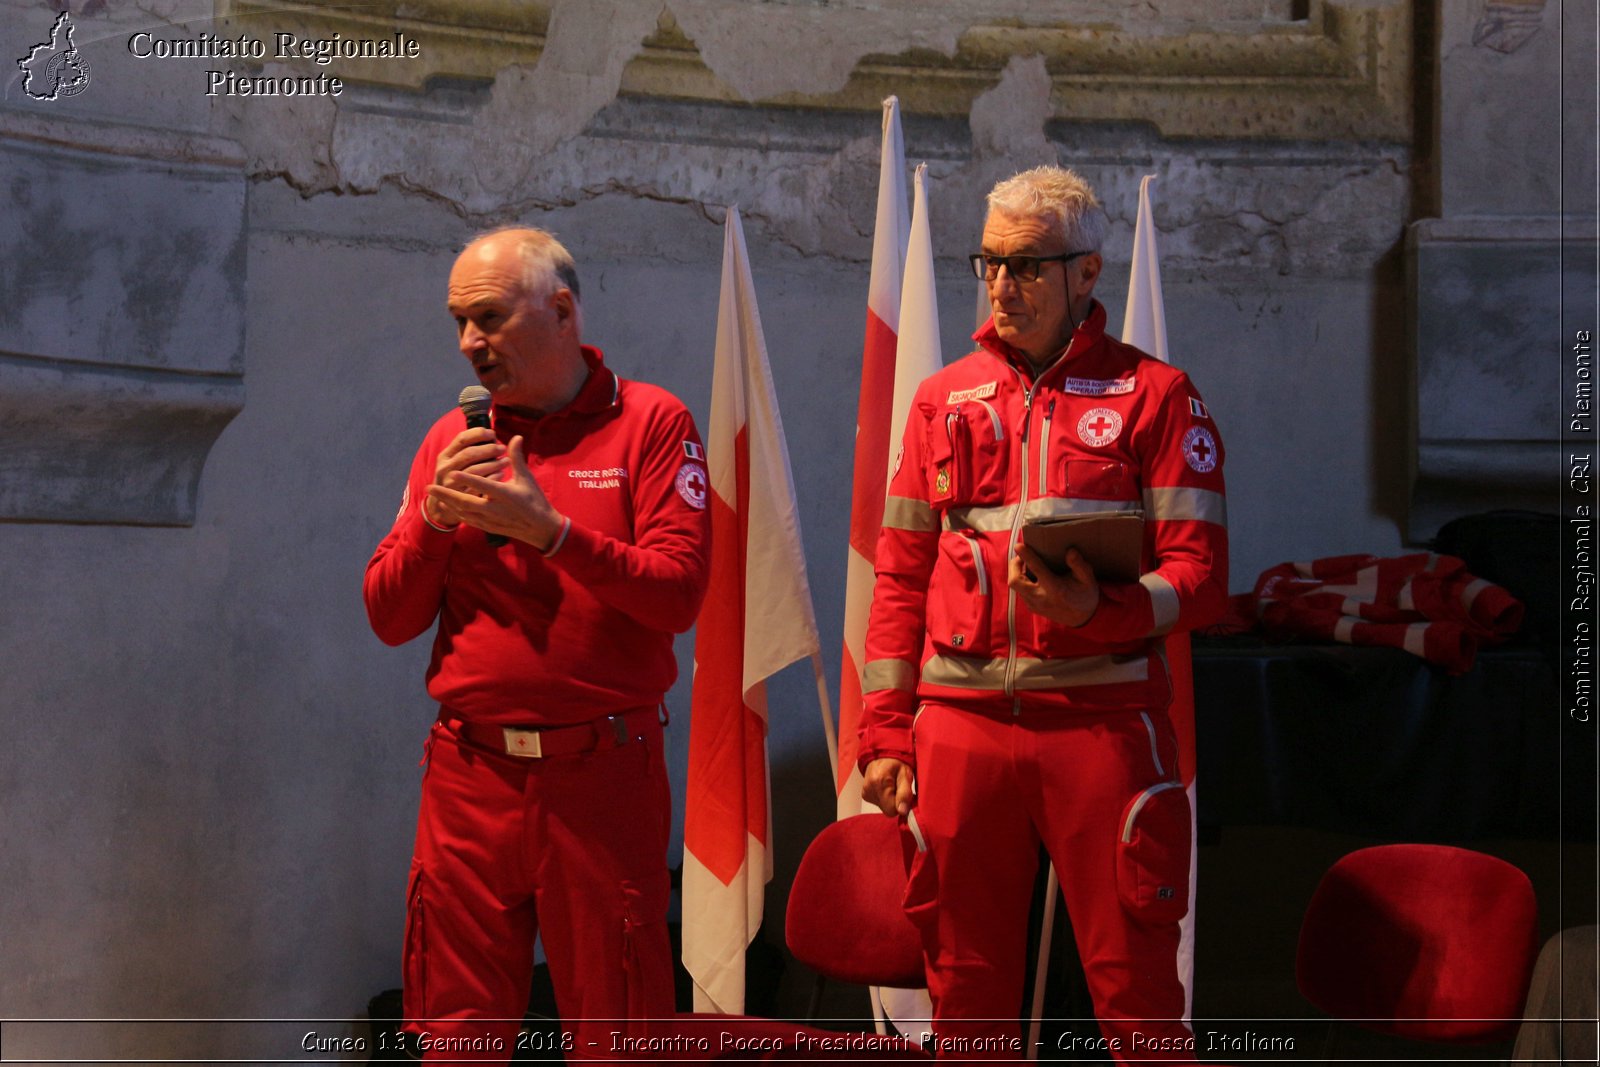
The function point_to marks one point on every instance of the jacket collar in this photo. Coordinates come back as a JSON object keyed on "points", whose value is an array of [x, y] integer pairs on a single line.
{"points": [[1088, 334], [602, 389]]}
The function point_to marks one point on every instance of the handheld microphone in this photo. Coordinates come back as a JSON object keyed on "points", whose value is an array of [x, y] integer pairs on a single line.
{"points": [[474, 404]]}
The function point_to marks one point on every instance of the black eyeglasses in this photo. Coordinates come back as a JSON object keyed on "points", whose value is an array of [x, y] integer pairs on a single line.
{"points": [[1022, 268]]}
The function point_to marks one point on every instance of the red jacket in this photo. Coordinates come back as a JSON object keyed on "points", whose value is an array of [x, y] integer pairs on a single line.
{"points": [[1105, 428], [526, 638]]}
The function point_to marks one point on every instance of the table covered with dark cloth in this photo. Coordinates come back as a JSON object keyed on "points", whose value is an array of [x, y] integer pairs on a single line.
{"points": [[1374, 741]]}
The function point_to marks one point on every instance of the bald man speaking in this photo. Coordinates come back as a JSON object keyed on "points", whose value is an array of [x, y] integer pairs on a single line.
{"points": [[545, 806]]}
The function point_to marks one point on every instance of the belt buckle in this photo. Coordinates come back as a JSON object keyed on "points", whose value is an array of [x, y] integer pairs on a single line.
{"points": [[523, 743]]}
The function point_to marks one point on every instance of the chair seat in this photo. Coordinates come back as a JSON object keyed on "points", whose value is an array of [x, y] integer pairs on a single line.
{"points": [[1423, 941], [845, 918]]}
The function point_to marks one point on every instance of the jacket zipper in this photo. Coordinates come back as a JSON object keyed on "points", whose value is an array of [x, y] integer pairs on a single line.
{"points": [[1016, 532]]}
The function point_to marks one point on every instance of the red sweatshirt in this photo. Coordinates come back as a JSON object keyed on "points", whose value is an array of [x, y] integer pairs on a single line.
{"points": [[534, 639]]}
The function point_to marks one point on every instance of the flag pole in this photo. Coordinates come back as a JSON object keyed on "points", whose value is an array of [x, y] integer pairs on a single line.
{"points": [[827, 716], [1052, 884]]}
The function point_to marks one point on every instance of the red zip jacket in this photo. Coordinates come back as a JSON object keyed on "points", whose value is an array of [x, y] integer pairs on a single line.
{"points": [[986, 447], [535, 639]]}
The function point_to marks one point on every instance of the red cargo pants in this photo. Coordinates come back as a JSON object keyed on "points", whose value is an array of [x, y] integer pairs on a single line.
{"points": [[570, 847], [1101, 791]]}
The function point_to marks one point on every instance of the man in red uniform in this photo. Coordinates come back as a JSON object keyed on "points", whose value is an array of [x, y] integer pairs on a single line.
{"points": [[1009, 705], [545, 805]]}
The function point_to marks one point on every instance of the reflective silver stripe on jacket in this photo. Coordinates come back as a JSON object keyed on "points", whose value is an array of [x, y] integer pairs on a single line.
{"points": [[1000, 519], [1163, 603], [1182, 503], [909, 513], [966, 672], [888, 674]]}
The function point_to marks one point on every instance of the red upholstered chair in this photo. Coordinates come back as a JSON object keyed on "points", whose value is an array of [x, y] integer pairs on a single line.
{"points": [[845, 919], [1422, 941], [846, 923]]}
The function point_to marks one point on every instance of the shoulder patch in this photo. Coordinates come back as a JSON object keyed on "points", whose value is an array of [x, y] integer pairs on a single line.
{"points": [[694, 451], [1200, 450], [693, 485], [405, 502], [1197, 409]]}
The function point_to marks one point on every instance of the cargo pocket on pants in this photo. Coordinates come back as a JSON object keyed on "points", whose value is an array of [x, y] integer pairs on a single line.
{"points": [[1153, 853], [646, 953]]}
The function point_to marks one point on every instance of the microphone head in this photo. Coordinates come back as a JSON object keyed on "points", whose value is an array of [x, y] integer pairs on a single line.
{"points": [[474, 400]]}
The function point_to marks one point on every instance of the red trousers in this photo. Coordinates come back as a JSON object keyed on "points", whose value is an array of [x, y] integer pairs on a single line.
{"points": [[1101, 792], [570, 847]]}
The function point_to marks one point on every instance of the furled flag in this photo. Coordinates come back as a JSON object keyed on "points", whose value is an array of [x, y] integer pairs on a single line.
{"points": [[1144, 325], [890, 373], [917, 356], [758, 619]]}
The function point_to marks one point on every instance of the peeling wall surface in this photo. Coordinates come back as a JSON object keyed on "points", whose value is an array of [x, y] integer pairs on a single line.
{"points": [[210, 781]]}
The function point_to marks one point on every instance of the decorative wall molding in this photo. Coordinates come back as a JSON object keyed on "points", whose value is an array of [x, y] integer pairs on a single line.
{"points": [[122, 261], [95, 443], [1487, 298], [1338, 73]]}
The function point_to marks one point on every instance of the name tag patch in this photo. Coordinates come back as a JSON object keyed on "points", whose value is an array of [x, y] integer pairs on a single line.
{"points": [[982, 392], [1098, 386]]}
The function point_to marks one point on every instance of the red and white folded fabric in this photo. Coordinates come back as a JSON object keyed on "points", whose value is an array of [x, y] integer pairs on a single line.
{"points": [[1426, 604]]}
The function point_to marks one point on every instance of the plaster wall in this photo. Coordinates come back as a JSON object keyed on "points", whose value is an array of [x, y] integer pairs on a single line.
{"points": [[211, 781]]}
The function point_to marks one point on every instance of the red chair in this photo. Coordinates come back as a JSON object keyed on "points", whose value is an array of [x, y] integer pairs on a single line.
{"points": [[845, 922], [845, 919], [1421, 941]]}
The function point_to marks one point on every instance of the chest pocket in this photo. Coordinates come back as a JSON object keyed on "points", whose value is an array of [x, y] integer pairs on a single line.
{"points": [[967, 454], [1100, 480]]}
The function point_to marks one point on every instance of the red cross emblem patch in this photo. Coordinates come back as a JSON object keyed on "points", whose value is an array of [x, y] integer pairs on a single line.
{"points": [[1200, 450], [692, 485], [1099, 427]]}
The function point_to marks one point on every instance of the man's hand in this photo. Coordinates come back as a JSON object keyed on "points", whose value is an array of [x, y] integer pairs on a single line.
{"points": [[474, 450], [887, 783], [483, 493], [1069, 599]]}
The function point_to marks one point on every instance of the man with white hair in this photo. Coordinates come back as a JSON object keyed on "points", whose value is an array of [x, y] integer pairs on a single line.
{"points": [[559, 550], [1009, 705]]}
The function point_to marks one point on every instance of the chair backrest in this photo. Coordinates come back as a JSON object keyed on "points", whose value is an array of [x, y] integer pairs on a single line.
{"points": [[845, 919], [1423, 941]]}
